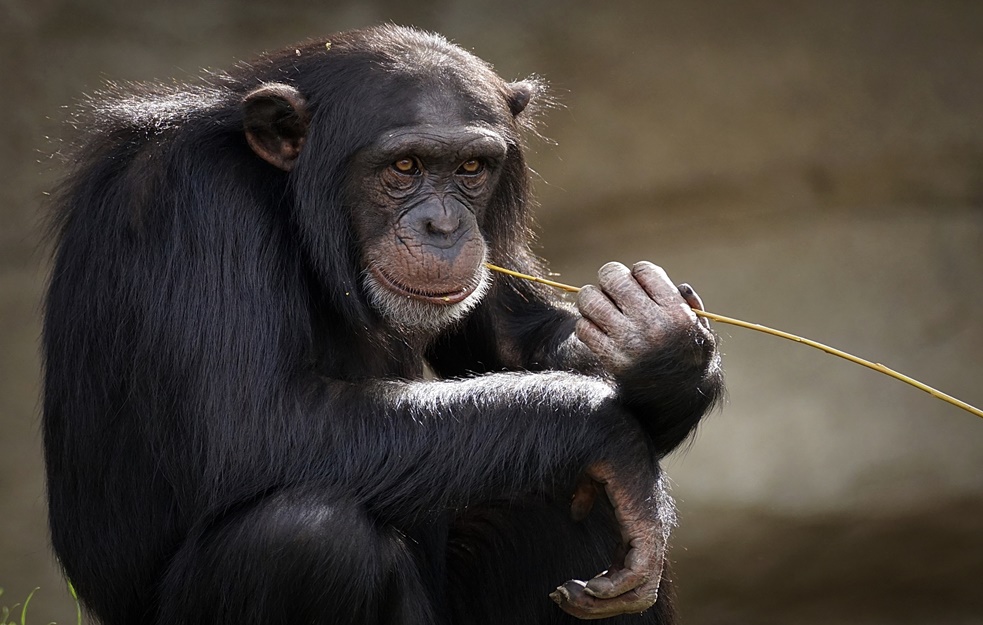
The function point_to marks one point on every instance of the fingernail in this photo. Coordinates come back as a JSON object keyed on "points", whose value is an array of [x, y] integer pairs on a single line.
{"points": [[560, 595]]}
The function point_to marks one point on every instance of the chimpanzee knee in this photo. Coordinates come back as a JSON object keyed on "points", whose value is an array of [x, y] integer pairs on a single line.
{"points": [[297, 557]]}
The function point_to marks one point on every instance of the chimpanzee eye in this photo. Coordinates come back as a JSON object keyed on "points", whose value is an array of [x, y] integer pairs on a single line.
{"points": [[471, 167], [406, 166]]}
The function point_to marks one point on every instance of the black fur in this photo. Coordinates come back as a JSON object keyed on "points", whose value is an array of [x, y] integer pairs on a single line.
{"points": [[232, 435]]}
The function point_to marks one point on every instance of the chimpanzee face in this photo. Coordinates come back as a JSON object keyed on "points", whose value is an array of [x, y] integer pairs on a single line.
{"points": [[421, 194], [417, 195]]}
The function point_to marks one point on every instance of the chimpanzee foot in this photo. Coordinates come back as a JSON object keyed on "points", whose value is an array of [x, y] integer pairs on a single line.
{"points": [[631, 584]]}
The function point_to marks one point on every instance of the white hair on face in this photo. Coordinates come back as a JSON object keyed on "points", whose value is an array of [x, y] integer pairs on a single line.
{"points": [[414, 316]]}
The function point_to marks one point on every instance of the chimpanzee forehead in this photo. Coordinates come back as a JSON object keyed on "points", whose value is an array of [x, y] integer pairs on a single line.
{"points": [[405, 76], [450, 82], [439, 105]]}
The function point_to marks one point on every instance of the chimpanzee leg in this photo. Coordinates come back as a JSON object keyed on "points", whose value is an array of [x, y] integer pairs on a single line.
{"points": [[295, 557], [506, 559]]}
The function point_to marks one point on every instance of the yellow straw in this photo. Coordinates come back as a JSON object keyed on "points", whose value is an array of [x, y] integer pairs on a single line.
{"points": [[785, 335]]}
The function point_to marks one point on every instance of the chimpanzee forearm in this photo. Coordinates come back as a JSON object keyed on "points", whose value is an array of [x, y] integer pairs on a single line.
{"points": [[668, 378], [429, 446]]}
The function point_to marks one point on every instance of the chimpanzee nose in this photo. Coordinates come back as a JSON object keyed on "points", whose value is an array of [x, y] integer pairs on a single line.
{"points": [[442, 224], [440, 217]]}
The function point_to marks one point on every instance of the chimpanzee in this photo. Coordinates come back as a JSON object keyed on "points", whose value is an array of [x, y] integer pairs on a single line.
{"points": [[281, 385]]}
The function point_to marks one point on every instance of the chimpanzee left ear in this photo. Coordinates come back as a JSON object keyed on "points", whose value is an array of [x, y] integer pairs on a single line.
{"points": [[520, 94], [275, 119]]}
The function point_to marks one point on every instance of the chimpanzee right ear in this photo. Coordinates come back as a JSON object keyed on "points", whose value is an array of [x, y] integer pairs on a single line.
{"points": [[275, 120], [520, 93]]}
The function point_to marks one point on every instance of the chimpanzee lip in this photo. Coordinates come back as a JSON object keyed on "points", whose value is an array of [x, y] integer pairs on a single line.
{"points": [[433, 297]]}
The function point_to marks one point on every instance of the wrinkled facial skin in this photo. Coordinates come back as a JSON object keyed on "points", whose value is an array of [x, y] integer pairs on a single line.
{"points": [[420, 194], [417, 195]]}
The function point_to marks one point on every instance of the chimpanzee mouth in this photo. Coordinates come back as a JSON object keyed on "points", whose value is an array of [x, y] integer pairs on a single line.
{"points": [[440, 298]]}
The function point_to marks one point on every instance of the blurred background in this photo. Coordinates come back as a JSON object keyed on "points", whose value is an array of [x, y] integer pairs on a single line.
{"points": [[815, 166]]}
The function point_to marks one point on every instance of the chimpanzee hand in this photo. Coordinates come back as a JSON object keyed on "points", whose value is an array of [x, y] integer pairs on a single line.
{"points": [[645, 515], [644, 332], [633, 313]]}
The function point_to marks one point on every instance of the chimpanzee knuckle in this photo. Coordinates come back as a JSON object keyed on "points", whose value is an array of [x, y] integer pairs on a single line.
{"points": [[616, 280], [644, 267], [614, 277], [588, 299], [611, 270]]}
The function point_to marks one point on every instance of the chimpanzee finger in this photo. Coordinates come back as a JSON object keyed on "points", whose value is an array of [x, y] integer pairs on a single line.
{"points": [[694, 301], [656, 282], [660, 288], [599, 343], [596, 307], [642, 562], [631, 584], [690, 296], [623, 289], [574, 599]]}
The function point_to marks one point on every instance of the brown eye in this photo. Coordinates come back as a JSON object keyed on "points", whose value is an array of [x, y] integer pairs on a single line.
{"points": [[471, 167], [406, 166]]}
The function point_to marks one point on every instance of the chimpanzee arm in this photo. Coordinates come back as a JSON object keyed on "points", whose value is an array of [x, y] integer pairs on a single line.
{"points": [[668, 374], [423, 447], [405, 452]]}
